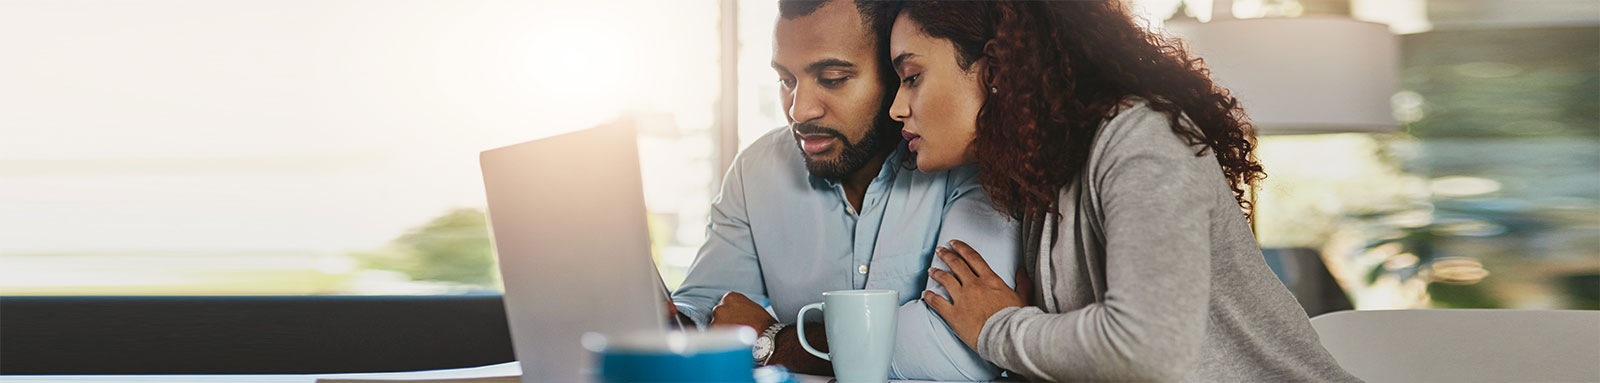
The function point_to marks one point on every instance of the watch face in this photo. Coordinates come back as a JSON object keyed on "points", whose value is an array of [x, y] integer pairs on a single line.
{"points": [[762, 347]]}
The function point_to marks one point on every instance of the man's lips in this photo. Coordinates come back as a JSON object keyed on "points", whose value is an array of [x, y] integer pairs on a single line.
{"points": [[912, 139], [816, 143]]}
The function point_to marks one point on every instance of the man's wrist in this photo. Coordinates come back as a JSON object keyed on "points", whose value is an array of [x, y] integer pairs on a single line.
{"points": [[789, 353], [767, 343]]}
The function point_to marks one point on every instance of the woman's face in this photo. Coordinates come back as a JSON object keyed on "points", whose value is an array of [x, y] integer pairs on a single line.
{"points": [[938, 100]]}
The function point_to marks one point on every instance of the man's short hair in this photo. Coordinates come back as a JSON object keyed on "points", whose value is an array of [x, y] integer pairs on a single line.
{"points": [[876, 15]]}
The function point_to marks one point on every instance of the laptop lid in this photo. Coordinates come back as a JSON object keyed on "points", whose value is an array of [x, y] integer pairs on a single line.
{"points": [[567, 218]]}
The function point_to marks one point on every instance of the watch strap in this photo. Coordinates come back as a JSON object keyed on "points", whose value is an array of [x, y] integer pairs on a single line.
{"points": [[771, 334]]}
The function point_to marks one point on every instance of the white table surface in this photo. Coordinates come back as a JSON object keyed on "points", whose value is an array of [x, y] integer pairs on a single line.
{"points": [[504, 369]]}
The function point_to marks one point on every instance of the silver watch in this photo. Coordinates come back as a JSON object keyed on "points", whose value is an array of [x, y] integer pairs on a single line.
{"points": [[766, 343]]}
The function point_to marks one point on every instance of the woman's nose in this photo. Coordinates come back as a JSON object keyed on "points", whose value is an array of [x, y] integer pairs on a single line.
{"points": [[900, 110]]}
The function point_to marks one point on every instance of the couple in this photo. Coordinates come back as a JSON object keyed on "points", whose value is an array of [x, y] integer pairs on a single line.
{"points": [[1075, 212]]}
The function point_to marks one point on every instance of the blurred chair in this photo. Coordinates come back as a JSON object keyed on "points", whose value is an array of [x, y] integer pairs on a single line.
{"points": [[1446, 345], [1303, 272]]}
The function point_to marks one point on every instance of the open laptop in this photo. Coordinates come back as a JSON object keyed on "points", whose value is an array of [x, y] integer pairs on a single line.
{"points": [[567, 218]]}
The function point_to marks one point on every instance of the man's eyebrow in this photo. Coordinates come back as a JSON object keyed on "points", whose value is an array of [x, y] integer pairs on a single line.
{"points": [[779, 67], [901, 59], [825, 63]]}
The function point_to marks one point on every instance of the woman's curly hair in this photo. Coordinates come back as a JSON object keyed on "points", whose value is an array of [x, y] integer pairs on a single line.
{"points": [[1062, 68]]}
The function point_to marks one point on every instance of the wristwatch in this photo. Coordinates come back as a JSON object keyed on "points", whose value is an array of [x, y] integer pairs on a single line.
{"points": [[766, 343]]}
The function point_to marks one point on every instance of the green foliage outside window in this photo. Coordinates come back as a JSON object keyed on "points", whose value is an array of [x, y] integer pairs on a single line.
{"points": [[453, 247]]}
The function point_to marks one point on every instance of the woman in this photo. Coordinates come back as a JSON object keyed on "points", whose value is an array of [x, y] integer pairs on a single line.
{"points": [[1127, 168]]}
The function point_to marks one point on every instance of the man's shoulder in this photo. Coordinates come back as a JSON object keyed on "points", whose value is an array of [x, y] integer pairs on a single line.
{"points": [[963, 175], [774, 146], [772, 163], [953, 179]]}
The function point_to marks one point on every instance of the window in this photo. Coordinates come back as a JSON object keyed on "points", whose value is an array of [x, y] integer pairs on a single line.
{"points": [[760, 110], [307, 147], [289, 147]]}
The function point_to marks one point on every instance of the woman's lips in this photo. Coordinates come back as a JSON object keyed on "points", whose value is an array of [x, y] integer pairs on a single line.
{"points": [[912, 139]]}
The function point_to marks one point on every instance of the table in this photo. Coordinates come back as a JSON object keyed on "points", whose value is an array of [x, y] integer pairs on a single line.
{"points": [[503, 369]]}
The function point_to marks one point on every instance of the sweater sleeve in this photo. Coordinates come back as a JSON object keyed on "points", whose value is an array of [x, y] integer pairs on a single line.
{"points": [[1155, 196]]}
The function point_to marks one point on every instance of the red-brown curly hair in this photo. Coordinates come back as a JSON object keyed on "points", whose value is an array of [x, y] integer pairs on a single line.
{"points": [[1061, 68]]}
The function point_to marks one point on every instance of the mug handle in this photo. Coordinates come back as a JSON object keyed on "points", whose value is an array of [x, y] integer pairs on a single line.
{"points": [[800, 326]]}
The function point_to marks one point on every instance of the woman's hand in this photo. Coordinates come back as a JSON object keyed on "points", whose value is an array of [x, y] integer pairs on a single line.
{"points": [[976, 293]]}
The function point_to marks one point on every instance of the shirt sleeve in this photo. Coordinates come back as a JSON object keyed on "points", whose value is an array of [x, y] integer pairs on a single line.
{"points": [[727, 261], [925, 347], [1155, 195]]}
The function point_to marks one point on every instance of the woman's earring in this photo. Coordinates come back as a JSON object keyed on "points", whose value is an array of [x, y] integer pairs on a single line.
{"points": [[994, 90]]}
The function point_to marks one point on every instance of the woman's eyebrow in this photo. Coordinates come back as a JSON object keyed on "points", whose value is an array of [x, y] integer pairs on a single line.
{"points": [[901, 59]]}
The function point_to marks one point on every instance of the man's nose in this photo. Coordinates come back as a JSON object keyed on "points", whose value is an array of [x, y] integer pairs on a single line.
{"points": [[807, 104]]}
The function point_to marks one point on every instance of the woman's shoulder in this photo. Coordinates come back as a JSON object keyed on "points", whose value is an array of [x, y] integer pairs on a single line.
{"points": [[1135, 127]]}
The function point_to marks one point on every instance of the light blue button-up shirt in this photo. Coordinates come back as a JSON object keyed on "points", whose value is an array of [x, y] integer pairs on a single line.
{"points": [[783, 237]]}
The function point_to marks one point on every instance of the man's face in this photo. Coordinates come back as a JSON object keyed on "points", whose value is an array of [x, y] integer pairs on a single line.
{"points": [[827, 64]]}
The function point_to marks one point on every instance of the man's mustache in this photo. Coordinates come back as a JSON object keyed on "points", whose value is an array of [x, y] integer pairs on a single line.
{"points": [[804, 128]]}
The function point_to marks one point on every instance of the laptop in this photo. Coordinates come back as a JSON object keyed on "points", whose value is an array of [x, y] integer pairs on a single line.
{"points": [[567, 219]]}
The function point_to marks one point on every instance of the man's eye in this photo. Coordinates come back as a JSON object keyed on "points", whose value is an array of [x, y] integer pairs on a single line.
{"points": [[831, 82], [787, 83]]}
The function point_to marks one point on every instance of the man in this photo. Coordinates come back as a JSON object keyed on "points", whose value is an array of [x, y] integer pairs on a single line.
{"points": [[828, 203]]}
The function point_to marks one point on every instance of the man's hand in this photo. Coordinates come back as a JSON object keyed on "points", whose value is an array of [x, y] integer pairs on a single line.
{"points": [[976, 293], [737, 310], [676, 319]]}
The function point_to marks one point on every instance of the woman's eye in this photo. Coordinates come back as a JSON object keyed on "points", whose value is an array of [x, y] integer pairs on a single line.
{"points": [[910, 80]]}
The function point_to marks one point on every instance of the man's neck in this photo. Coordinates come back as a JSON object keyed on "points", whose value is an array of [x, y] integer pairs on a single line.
{"points": [[855, 184]]}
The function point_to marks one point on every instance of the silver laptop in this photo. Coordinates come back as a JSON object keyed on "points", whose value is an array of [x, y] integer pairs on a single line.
{"points": [[567, 217]]}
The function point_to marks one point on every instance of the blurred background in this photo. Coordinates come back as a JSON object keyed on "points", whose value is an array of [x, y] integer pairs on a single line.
{"points": [[299, 147]]}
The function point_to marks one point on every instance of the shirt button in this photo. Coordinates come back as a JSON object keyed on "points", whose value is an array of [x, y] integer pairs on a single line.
{"points": [[862, 269]]}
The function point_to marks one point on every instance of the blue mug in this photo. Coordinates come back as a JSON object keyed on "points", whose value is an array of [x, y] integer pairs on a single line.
{"points": [[860, 325], [718, 355]]}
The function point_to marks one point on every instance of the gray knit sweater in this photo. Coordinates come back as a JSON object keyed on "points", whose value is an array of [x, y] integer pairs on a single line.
{"points": [[1152, 274]]}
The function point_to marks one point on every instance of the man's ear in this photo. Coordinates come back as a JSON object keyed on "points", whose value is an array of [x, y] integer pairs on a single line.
{"points": [[990, 49]]}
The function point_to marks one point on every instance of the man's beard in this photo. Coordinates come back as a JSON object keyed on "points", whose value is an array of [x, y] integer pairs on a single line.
{"points": [[852, 156]]}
